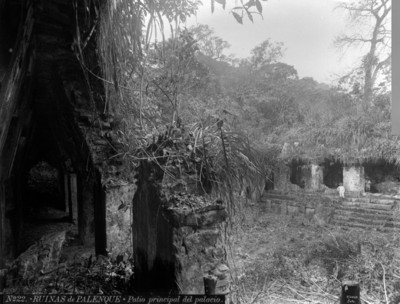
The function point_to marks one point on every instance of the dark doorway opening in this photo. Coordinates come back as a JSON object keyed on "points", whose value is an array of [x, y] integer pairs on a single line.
{"points": [[296, 173], [45, 192], [333, 173], [43, 202], [384, 177], [269, 183]]}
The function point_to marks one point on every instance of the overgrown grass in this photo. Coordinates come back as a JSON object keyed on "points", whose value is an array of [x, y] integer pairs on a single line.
{"points": [[279, 259]]}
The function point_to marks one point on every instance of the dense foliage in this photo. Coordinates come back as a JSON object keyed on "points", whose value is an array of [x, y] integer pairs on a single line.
{"points": [[154, 85]]}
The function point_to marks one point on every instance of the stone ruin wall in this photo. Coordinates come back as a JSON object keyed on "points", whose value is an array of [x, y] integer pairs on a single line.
{"points": [[319, 209], [200, 249], [119, 199], [177, 238], [316, 201], [310, 178]]}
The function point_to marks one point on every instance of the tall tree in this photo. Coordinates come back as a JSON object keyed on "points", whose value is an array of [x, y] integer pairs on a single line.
{"points": [[376, 36], [266, 53], [210, 44]]}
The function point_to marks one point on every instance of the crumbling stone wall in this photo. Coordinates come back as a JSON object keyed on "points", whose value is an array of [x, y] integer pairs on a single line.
{"points": [[177, 238], [317, 208], [200, 250], [282, 178], [384, 176], [307, 176], [119, 218], [40, 258], [298, 177]]}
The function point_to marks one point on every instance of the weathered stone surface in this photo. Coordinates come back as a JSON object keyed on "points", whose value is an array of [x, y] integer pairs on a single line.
{"points": [[318, 207], [40, 258], [293, 210], [223, 283], [310, 177], [310, 212], [203, 238], [317, 177], [353, 179], [282, 178], [177, 237], [86, 223], [118, 219], [276, 206], [202, 217], [207, 218], [293, 187], [202, 254], [306, 177], [388, 187]]}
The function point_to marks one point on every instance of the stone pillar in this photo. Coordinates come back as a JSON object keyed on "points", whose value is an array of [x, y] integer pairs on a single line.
{"points": [[199, 248], [317, 177], [118, 219], [174, 248], [282, 178], [90, 206], [66, 193], [73, 195], [2, 235], [353, 178], [311, 177]]}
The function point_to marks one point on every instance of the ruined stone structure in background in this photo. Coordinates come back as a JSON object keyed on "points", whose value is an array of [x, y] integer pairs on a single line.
{"points": [[307, 176], [326, 177], [310, 191], [281, 179], [316, 178], [119, 199]]}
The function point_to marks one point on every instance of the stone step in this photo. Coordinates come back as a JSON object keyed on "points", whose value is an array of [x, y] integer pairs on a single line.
{"points": [[368, 205], [297, 198], [389, 227], [299, 194], [370, 211], [364, 211], [384, 196], [371, 196], [278, 197], [373, 217], [366, 221], [364, 228], [292, 202], [364, 202], [346, 205], [382, 201]]}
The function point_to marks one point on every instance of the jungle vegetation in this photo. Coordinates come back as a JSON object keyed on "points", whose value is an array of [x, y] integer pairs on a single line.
{"points": [[242, 111]]}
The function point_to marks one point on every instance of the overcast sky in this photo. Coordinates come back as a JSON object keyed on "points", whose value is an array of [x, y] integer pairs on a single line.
{"points": [[306, 27]]}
